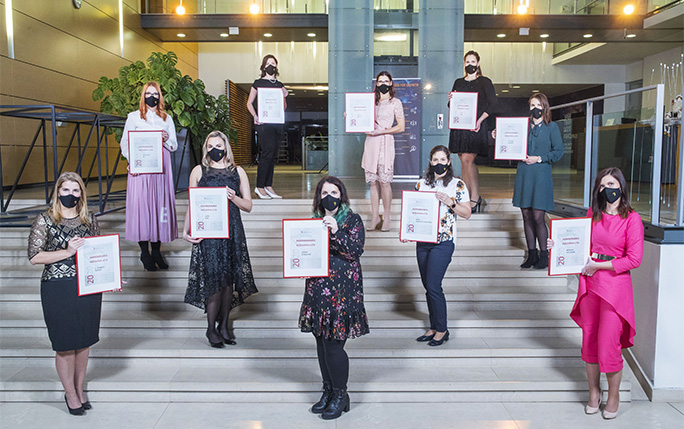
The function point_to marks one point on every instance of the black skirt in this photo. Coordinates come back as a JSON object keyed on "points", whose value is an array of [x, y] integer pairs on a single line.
{"points": [[466, 141], [73, 321]]}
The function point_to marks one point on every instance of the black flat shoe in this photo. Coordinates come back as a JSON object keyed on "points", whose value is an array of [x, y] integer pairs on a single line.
{"points": [[425, 338], [148, 262], [86, 405], [159, 260], [74, 411], [435, 343]]}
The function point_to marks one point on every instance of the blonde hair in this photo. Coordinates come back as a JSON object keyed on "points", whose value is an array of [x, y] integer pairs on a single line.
{"points": [[206, 160], [160, 107], [55, 210]]}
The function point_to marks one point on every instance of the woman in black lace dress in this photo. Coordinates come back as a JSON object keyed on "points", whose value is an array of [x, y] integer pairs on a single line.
{"points": [[220, 272], [73, 321], [332, 309]]}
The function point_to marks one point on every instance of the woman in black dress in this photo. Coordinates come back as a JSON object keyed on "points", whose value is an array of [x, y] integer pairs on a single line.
{"points": [[470, 143], [220, 275], [332, 309], [268, 135], [73, 321]]}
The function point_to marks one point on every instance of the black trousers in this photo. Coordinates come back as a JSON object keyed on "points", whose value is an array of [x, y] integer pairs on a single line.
{"points": [[333, 361], [268, 141]]}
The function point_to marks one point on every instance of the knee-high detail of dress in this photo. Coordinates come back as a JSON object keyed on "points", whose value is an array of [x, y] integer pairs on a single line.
{"points": [[333, 307], [218, 263], [378, 151]]}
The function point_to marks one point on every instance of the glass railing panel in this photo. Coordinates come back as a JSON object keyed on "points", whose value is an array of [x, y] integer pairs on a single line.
{"points": [[671, 183], [568, 173]]}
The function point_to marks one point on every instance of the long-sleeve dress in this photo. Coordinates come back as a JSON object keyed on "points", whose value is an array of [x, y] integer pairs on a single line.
{"points": [[332, 307], [150, 198], [378, 151], [533, 182], [624, 239]]}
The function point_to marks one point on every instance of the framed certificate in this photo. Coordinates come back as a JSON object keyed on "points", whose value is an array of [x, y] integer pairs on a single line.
{"points": [[419, 216], [271, 105], [463, 110], [145, 152], [571, 245], [208, 210], [511, 138], [360, 112], [98, 265], [305, 248]]}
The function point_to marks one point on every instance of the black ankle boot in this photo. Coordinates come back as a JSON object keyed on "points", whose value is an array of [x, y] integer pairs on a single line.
{"points": [[159, 260], [532, 258], [322, 404], [148, 262], [543, 262], [339, 403]]}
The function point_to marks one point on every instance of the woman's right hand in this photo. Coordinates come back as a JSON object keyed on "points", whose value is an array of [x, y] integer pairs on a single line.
{"points": [[256, 121], [190, 239], [549, 244], [494, 133], [74, 244]]}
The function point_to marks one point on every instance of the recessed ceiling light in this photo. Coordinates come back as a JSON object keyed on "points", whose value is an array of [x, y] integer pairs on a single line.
{"points": [[428, 86], [500, 35], [544, 36], [628, 9], [320, 93], [223, 34], [630, 36], [311, 34], [588, 36], [535, 90], [391, 37], [180, 35], [268, 35], [504, 90], [516, 86]]}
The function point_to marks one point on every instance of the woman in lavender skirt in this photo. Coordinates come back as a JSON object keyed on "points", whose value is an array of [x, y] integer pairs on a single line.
{"points": [[150, 198]]}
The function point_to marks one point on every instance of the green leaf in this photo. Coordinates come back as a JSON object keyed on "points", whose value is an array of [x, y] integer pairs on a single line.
{"points": [[178, 107]]}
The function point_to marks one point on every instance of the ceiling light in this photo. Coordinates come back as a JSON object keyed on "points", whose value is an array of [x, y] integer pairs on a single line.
{"points": [[522, 9], [180, 34], [516, 86], [268, 35], [320, 93], [311, 34], [628, 9], [504, 90], [588, 36], [254, 8], [544, 36], [500, 35], [180, 10], [535, 90], [223, 34], [428, 86], [630, 36], [391, 37]]}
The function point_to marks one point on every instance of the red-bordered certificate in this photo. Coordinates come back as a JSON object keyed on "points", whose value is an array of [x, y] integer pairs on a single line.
{"points": [[98, 265], [145, 152], [305, 248], [208, 211], [271, 105], [511, 138], [571, 245], [462, 110], [419, 216], [359, 108]]}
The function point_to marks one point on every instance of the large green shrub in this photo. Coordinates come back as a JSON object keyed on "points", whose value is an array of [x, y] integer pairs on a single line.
{"points": [[184, 98]]}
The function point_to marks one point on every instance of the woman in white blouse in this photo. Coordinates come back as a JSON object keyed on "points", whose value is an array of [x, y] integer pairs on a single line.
{"points": [[150, 198], [434, 258]]}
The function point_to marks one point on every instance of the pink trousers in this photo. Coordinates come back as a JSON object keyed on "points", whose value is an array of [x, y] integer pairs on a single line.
{"points": [[601, 332]]}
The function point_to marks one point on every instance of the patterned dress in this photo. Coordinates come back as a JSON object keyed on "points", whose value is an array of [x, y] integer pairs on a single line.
{"points": [[218, 263], [333, 306]]}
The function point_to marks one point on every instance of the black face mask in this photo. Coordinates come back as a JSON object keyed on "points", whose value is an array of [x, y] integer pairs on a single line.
{"points": [[271, 69], [536, 113], [439, 169], [152, 101], [330, 203], [69, 201], [216, 154], [470, 69], [611, 194], [383, 88]]}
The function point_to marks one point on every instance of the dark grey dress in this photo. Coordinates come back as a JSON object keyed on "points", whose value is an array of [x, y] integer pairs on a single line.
{"points": [[533, 183]]}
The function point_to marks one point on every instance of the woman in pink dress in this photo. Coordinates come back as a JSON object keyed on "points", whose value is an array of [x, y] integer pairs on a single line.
{"points": [[378, 150], [604, 307], [150, 198]]}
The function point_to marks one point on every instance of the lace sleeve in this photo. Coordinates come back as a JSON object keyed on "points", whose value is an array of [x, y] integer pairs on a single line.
{"points": [[37, 237]]}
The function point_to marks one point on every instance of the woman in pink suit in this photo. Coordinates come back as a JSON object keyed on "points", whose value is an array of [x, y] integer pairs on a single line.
{"points": [[604, 307]]}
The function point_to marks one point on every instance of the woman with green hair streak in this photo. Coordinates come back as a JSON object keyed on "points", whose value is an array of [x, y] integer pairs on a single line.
{"points": [[332, 309]]}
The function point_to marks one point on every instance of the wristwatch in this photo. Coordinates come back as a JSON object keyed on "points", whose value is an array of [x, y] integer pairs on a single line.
{"points": [[539, 160]]}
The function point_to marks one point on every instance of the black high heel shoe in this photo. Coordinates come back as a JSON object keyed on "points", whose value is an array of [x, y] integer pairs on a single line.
{"points": [[159, 260], [434, 343], [147, 262], [476, 207], [86, 405], [425, 338], [74, 411], [216, 345]]}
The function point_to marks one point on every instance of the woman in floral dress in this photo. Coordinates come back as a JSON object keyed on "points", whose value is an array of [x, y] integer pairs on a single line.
{"points": [[332, 309]]}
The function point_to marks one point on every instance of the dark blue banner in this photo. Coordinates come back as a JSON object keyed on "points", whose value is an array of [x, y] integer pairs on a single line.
{"points": [[407, 144]]}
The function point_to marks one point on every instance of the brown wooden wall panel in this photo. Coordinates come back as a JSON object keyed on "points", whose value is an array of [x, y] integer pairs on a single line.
{"points": [[242, 120]]}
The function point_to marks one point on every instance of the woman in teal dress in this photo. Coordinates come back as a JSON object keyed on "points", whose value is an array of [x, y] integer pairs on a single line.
{"points": [[533, 191]]}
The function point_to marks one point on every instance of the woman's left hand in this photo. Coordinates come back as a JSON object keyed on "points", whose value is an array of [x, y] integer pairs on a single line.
{"points": [[165, 136], [330, 223], [230, 193], [444, 198], [477, 126], [531, 159], [374, 133], [590, 268]]}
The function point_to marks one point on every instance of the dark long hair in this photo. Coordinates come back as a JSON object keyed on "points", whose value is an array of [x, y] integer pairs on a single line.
{"points": [[377, 91], [319, 210], [546, 107], [430, 175], [478, 73], [263, 64], [598, 203]]}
